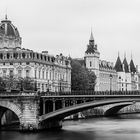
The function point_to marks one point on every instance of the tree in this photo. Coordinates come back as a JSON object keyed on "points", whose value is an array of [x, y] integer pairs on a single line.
{"points": [[2, 84], [17, 83], [81, 78], [11, 82], [27, 84], [92, 80]]}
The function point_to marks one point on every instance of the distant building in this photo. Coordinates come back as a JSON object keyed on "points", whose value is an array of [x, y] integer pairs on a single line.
{"points": [[51, 73], [122, 76]]}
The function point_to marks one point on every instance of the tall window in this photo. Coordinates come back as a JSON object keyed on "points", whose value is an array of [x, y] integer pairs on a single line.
{"points": [[38, 85], [35, 73], [20, 73], [27, 73], [42, 74], [42, 87], [39, 75], [50, 75], [4, 72], [46, 74], [11, 73], [55, 76]]}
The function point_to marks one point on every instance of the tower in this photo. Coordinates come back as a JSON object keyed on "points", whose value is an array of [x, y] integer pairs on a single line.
{"points": [[92, 59]]}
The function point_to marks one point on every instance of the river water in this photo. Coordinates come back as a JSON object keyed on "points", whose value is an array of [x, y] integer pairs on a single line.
{"points": [[125, 127]]}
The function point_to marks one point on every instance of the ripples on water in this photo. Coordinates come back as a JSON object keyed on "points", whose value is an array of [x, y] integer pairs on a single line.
{"points": [[126, 127]]}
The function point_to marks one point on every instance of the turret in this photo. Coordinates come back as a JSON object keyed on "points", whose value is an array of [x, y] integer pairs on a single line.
{"points": [[92, 59]]}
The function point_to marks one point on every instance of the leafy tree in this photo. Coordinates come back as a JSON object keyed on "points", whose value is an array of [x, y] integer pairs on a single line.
{"points": [[91, 80], [27, 84], [17, 83], [10, 82], [2, 84], [81, 78]]}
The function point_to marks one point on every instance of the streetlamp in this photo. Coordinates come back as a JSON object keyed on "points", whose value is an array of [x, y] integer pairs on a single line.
{"points": [[110, 76], [60, 85], [35, 84], [48, 86]]}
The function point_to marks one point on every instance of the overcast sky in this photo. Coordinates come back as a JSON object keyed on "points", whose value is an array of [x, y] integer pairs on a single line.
{"points": [[64, 26]]}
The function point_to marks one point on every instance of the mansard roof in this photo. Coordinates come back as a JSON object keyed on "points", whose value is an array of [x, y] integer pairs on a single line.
{"points": [[81, 61], [126, 67], [132, 66], [105, 65], [118, 66]]}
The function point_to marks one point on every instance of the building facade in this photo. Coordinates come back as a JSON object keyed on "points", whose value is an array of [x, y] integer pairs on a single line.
{"points": [[122, 76], [50, 72]]}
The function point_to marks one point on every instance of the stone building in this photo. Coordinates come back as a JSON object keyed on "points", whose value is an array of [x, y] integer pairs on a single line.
{"points": [[50, 72], [128, 75], [122, 76]]}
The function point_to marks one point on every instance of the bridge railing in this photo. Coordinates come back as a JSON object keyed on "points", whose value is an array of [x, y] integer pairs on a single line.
{"points": [[136, 92], [18, 93], [74, 93]]}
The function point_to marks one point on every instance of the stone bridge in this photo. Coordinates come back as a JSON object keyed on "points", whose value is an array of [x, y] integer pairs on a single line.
{"points": [[37, 111]]}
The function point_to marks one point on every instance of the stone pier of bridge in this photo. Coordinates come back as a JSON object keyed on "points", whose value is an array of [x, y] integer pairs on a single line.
{"points": [[27, 108]]}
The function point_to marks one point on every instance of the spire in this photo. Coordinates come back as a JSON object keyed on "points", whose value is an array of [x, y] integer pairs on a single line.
{"points": [[131, 56], [6, 17], [91, 36], [118, 66], [124, 54], [126, 67], [118, 54], [132, 66]]}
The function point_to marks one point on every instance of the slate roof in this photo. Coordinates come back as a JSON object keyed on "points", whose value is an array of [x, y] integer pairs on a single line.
{"points": [[132, 66], [118, 66], [126, 67], [106, 65], [91, 47], [8, 29]]}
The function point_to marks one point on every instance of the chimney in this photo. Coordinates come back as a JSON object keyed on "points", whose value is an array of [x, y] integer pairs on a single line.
{"points": [[45, 52]]}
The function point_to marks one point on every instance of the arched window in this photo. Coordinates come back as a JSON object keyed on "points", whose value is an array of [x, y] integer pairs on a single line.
{"points": [[8, 55], [42, 74], [46, 74], [35, 74], [39, 74], [23, 55]]}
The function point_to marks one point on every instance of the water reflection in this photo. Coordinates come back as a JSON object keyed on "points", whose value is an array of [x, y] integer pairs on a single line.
{"points": [[126, 127]]}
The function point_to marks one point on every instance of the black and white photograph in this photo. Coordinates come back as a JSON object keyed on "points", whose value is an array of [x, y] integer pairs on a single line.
{"points": [[69, 69]]}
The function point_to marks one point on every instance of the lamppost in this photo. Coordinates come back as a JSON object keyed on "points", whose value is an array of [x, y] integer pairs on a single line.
{"points": [[35, 84], [60, 85], [48, 86], [110, 76]]}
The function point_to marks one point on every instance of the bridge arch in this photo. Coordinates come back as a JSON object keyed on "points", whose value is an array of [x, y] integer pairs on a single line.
{"points": [[13, 107], [64, 112], [115, 109]]}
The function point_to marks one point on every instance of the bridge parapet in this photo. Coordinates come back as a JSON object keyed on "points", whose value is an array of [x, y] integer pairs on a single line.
{"points": [[89, 93], [24, 93], [34, 93]]}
